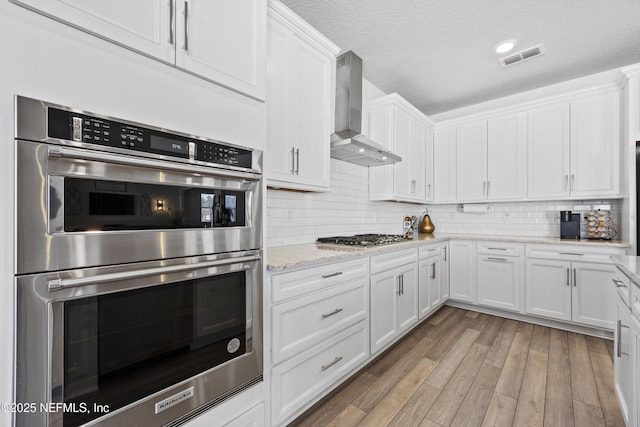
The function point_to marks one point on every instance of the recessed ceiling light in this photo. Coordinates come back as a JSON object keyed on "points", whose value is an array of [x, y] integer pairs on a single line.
{"points": [[504, 46], [361, 150]]}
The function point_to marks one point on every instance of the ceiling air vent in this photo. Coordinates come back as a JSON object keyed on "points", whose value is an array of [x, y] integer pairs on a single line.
{"points": [[523, 55]]}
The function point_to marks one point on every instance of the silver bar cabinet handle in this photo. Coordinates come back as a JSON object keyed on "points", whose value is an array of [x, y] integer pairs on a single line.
{"points": [[575, 281], [186, 26], [619, 283], [445, 253], [488, 187], [326, 276], [298, 161], [336, 311], [573, 182], [171, 6], [571, 253], [497, 259], [566, 182], [336, 360], [293, 160], [568, 274]]}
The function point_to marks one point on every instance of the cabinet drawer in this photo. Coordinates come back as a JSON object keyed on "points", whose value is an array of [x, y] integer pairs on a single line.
{"points": [[304, 322], [427, 251], [573, 252], [499, 248], [299, 382], [623, 286], [300, 282], [393, 259]]}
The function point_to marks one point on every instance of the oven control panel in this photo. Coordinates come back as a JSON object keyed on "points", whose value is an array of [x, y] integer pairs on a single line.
{"points": [[68, 125]]}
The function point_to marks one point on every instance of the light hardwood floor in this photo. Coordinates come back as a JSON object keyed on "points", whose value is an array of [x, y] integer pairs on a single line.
{"points": [[462, 368]]}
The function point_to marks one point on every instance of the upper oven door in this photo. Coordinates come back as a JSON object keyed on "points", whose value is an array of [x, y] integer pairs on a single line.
{"points": [[80, 208]]}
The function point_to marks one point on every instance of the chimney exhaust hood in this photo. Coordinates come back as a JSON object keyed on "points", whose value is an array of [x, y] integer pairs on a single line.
{"points": [[348, 143]]}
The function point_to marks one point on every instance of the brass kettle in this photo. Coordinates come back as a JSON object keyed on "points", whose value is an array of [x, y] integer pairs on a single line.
{"points": [[426, 226]]}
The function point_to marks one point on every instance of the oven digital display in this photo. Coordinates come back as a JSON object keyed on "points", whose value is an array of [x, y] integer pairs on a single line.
{"points": [[169, 145]]}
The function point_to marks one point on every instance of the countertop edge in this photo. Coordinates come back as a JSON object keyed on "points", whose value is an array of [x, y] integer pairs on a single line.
{"points": [[336, 253]]}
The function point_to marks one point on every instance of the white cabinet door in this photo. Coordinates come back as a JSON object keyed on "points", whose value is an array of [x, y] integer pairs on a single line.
{"points": [[506, 158], [623, 362], [444, 165], [384, 291], [548, 288], [548, 152], [471, 162], [462, 272], [223, 41], [634, 410], [499, 282], [595, 145], [430, 283], [429, 166], [444, 272], [395, 124], [408, 299], [300, 108], [593, 296], [146, 26]]}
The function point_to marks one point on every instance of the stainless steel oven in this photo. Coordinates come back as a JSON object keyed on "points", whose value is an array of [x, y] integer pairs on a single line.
{"points": [[138, 270]]}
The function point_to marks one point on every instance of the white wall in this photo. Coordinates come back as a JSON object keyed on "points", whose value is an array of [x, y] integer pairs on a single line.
{"points": [[48, 60]]}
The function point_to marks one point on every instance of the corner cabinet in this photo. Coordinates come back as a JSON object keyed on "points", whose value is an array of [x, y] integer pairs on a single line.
{"points": [[574, 148], [218, 40], [572, 284], [301, 67], [400, 127], [394, 296]]}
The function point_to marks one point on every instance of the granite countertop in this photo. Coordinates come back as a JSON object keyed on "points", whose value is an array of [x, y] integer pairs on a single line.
{"points": [[281, 258], [630, 265]]}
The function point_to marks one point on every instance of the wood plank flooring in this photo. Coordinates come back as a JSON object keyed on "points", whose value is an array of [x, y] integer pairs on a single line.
{"points": [[462, 368]]}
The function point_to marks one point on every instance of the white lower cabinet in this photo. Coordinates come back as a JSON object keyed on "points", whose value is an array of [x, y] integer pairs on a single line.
{"points": [[444, 272], [623, 361], [254, 417], [462, 271], [430, 274], [572, 284], [301, 379], [319, 332], [634, 410], [394, 296], [499, 273]]}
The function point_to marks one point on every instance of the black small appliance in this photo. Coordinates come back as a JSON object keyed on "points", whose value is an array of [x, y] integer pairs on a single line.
{"points": [[569, 225]]}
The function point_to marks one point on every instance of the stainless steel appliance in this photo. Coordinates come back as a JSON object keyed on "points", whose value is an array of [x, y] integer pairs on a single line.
{"points": [[138, 270], [363, 240]]}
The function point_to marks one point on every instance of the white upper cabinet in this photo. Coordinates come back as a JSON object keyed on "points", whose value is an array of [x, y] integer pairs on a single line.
{"points": [[574, 148], [595, 145], [471, 155], [218, 40], [490, 159], [223, 41], [300, 103], [444, 165], [397, 125], [506, 145]]}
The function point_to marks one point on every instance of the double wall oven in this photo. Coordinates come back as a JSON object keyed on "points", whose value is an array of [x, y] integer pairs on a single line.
{"points": [[138, 270]]}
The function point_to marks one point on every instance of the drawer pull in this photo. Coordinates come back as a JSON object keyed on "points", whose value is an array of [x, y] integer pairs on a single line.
{"points": [[336, 360], [497, 259], [619, 283], [497, 249], [336, 311], [326, 276], [575, 280], [434, 249], [570, 253]]}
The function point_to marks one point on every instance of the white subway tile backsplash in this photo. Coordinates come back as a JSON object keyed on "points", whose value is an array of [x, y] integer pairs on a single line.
{"points": [[294, 217]]}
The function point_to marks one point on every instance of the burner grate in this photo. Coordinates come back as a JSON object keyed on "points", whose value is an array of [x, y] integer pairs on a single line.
{"points": [[364, 240]]}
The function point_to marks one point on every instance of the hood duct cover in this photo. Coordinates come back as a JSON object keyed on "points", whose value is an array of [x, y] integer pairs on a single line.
{"points": [[348, 143]]}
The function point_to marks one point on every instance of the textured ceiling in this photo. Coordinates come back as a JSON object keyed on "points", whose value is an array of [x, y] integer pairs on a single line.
{"points": [[438, 54]]}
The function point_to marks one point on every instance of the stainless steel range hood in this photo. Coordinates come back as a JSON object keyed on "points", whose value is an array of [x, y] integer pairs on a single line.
{"points": [[348, 143]]}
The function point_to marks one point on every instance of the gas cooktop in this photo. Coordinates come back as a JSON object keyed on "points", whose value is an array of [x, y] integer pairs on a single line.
{"points": [[364, 240]]}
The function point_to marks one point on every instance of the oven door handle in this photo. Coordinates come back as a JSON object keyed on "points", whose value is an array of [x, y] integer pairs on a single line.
{"points": [[58, 284], [70, 153]]}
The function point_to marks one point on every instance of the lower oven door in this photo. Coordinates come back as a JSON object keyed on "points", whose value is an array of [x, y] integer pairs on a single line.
{"points": [[138, 344]]}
